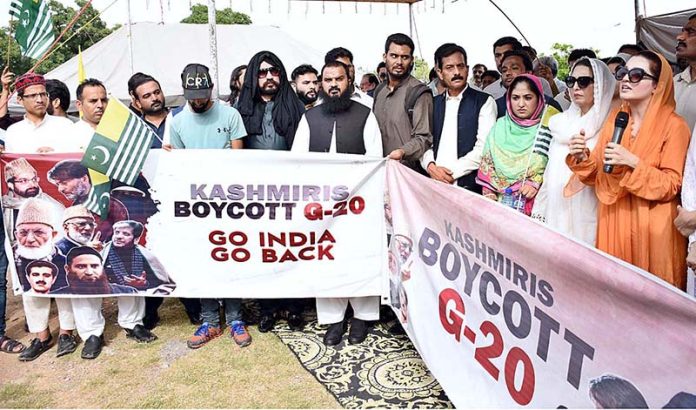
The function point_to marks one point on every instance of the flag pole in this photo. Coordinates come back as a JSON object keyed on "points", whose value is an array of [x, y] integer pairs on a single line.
{"points": [[9, 41], [130, 38], [213, 49]]}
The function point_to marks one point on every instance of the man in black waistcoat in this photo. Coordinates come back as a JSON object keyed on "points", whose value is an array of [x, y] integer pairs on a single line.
{"points": [[341, 125], [462, 118]]}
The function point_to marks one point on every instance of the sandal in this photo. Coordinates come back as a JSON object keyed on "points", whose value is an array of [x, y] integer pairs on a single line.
{"points": [[9, 345]]}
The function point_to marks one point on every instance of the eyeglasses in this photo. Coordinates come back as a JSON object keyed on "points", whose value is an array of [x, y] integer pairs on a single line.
{"points": [[263, 72], [24, 180], [35, 95], [583, 81], [635, 75], [82, 225], [38, 233]]}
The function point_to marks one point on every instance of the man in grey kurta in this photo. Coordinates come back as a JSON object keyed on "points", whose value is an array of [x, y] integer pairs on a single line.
{"points": [[406, 132]]}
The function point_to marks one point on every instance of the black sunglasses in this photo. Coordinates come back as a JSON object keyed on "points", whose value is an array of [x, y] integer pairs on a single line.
{"points": [[635, 75], [583, 81], [263, 72]]}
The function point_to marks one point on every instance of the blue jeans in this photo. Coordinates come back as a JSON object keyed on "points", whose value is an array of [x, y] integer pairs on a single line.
{"points": [[210, 311], [3, 277]]}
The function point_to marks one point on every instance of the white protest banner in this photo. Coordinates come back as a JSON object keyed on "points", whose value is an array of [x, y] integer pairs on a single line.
{"points": [[508, 313], [202, 223]]}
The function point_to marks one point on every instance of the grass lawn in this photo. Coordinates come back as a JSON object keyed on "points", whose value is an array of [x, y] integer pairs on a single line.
{"points": [[163, 374]]}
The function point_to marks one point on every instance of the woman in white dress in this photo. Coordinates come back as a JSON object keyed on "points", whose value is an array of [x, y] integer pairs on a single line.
{"points": [[564, 203]]}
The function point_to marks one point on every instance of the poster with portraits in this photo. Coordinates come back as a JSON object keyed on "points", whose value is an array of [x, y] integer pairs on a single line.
{"points": [[198, 223]]}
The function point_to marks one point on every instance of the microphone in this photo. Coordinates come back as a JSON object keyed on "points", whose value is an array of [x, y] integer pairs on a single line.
{"points": [[620, 124]]}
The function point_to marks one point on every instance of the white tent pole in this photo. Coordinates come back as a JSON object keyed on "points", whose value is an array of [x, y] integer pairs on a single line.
{"points": [[213, 48], [130, 39], [410, 19]]}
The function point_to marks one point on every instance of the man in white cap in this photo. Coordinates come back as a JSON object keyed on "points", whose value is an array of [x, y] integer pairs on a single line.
{"points": [[35, 233], [23, 183]]}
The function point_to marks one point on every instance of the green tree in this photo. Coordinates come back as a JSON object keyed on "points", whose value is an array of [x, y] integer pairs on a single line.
{"points": [[199, 15], [561, 51], [420, 69], [61, 16]]}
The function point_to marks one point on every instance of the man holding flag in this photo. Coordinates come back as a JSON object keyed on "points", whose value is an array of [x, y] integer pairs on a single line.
{"points": [[92, 102]]}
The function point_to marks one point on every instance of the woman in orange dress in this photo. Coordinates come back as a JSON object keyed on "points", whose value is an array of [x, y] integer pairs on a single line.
{"points": [[638, 199]]}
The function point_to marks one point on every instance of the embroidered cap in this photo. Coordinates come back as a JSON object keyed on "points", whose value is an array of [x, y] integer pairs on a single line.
{"points": [[16, 167], [27, 80], [35, 211]]}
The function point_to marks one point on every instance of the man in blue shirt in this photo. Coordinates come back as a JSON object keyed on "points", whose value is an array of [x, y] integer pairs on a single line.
{"points": [[207, 124], [147, 97]]}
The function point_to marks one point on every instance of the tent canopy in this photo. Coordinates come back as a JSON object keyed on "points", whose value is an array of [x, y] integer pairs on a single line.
{"points": [[658, 33], [163, 50]]}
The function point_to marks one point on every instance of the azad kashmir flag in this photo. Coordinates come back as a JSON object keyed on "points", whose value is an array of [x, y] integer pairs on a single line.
{"points": [[119, 145], [34, 29]]}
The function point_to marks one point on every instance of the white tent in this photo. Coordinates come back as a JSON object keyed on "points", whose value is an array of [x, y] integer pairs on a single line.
{"points": [[659, 33], [163, 50]]}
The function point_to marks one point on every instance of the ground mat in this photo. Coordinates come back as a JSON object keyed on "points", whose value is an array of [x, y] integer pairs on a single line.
{"points": [[384, 371]]}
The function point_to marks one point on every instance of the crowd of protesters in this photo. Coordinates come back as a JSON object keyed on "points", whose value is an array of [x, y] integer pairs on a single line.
{"points": [[517, 135]]}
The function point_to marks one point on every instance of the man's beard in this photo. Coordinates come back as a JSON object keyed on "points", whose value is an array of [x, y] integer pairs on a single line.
{"points": [[35, 253], [28, 193], [307, 99], [333, 105], [154, 111], [269, 91], [199, 109], [79, 237]]}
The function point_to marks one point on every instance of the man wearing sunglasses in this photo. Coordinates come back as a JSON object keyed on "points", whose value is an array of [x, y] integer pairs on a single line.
{"points": [[269, 106], [38, 132]]}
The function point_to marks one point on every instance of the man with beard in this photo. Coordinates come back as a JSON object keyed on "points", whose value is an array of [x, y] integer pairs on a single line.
{"points": [[35, 235], [92, 102], [344, 56], [403, 105], [477, 72], [79, 227], [147, 97], [58, 99], [684, 89], [271, 112], [204, 123], [72, 180], [23, 183], [305, 82], [38, 132], [340, 124], [462, 118], [85, 270], [269, 107], [368, 83], [128, 263]]}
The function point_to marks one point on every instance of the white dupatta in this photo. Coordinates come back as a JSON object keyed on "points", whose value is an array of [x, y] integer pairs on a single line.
{"points": [[575, 215]]}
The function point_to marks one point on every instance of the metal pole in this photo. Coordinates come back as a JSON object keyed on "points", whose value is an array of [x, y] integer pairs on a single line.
{"points": [[212, 34], [130, 38], [636, 5], [410, 19]]}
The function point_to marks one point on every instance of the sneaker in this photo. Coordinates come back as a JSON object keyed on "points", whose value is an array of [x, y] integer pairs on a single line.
{"points": [[203, 335], [239, 333]]}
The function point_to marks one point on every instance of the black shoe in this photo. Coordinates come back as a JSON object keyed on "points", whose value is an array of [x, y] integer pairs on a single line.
{"points": [[334, 335], [296, 322], [266, 323], [92, 348], [66, 345], [195, 318], [35, 349], [358, 331], [151, 322], [140, 334]]}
